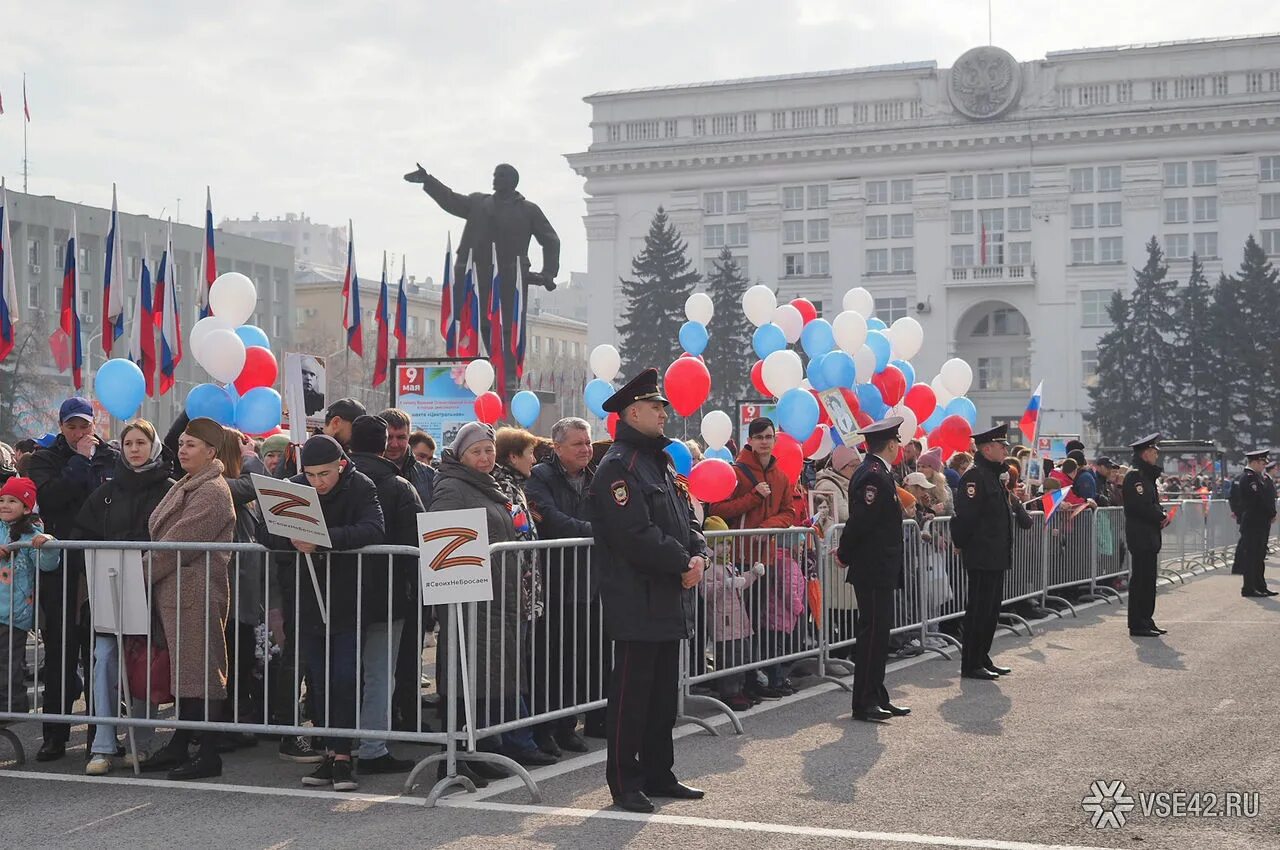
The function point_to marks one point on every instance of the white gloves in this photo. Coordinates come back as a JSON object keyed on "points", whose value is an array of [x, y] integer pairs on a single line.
{"points": [[739, 582], [757, 568]]}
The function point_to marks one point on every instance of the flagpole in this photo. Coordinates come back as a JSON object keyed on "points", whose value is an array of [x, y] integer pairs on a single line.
{"points": [[25, 121]]}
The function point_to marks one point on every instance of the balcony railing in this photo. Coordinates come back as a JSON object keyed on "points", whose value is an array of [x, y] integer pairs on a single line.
{"points": [[1021, 273]]}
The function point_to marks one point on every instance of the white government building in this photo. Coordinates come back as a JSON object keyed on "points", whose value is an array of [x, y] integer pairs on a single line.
{"points": [[1000, 202]]}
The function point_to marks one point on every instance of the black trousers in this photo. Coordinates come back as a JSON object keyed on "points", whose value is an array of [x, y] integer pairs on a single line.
{"points": [[67, 645], [1142, 590], [981, 616], [1251, 551], [871, 649], [570, 659], [641, 714]]}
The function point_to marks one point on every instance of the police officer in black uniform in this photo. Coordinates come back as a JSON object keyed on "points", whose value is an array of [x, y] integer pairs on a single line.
{"points": [[1143, 520], [1256, 498], [988, 504], [871, 548], [651, 558]]}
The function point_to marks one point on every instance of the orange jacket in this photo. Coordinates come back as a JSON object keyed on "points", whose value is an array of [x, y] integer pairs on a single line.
{"points": [[748, 509]]}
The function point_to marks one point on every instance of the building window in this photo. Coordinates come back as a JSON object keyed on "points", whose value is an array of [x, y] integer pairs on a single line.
{"points": [[793, 265], [1269, 169], [1081, 251], [1175, 210], [878, 260], [724, 125], [1109, 178], [84, 263], [904, 260], [830, 115], [709, 265], [818, 197], [1177, 246], [1204, 172], [1271, 206], [1020, 373], [793, 197], [819, 264], [802, 119], [413, 325], [1089, 367], [736, 235], [737, 202], [961, 221], [670, 128], [961, 256], [713, 203], [1175, 175], [1206, 244], [779, 120], [889, 310], [901, 191], [1019, 253], [1093, 308], [713, 236], [1159, 89], [1081, 215], [1109, 214], [1111, 249], [1270, 241], [1253, 82], [901, 226], [877, 227], [878, 190], [1019, 218], [699, 126], [1081, 179], [990, 185], [792, 232], [1019, 184], [1007, 322], [1220, 84], [1124, 92], [33, 252], [33, 293], [962, 188], [1204, 209], [615, 132], [990, 373], [819, 229]]}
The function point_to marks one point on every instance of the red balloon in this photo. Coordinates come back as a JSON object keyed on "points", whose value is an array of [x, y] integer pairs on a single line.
{"points": [[919, 431], [814, 442], [922, 401], [807, 311], [611, 425], [789, 455], [260, 369], [891, 383], [688, 383], [712, 480], [694, 356], [488, 407], [862, 419], [824, 418], [898, 459], [757, 379], [850, 399], [939, 439], [957, 432]]}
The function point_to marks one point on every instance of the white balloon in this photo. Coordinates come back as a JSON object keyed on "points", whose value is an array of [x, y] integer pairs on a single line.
{"points": [[698, 308], [860, 301], [805, 385], [233, 297], [717, 428], [908, 337], [789, 319], [940, 391], [221, 353], [907, 430], [201, 329], [479, 376], [605, 362], [825, 447], [956, 376], [850, 330], [782, 371], [864, 361], [758, 303]]}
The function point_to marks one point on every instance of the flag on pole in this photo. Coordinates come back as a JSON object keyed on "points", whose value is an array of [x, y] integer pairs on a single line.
{"points": [[517, 324], [68, 333], [448, 320], [402, 317], [142, 332], [113, 283], [381, 319], [351, 298], [1051, 500], [497, 339], [169, 320], [469, 314], [1, 104], [8, 286], [26, 108], [208, 260], [1030, 424]]}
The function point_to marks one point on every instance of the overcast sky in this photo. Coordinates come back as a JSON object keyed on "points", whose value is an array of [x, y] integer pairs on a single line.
{"points": [[319, 107]]}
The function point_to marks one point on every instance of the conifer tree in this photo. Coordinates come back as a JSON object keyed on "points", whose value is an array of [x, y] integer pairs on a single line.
{"points": [[728, 354], [663, 280], [1196, 370]]}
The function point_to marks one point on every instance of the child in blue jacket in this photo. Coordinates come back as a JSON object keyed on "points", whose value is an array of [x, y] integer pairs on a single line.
{"points": [[19, 524]]}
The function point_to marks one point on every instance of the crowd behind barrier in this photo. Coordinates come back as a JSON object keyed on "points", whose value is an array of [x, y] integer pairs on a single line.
{"points": [[770, 600]]}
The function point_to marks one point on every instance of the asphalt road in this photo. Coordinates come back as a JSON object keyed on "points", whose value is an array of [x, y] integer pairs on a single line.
{"points": [[991, 765]]}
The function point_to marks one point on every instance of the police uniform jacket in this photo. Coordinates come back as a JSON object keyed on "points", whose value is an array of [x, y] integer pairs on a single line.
{"points": [[1257, 499], [871, 543], [645, 535], [982, 527], [1143, 515]]}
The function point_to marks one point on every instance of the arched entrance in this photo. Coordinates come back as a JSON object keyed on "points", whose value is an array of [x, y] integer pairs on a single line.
{"points": [[994, 338]]}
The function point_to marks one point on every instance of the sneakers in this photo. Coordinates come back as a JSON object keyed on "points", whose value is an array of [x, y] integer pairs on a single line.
{"points": [[99, 765], [386, 763], [344, 776], [766, 692], [738, 702], [297, 748], [786, 688], [321, 776]]}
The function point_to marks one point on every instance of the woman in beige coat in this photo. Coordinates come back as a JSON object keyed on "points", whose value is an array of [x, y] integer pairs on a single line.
{"points": [[191, 593]]}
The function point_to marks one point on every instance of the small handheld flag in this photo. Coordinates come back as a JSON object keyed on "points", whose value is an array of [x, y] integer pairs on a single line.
{"points": [[1050, 502]]}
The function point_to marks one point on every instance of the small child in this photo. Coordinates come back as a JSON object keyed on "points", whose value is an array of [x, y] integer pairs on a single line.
{"points": [[18, 524], [785, 606], [727, 617]]}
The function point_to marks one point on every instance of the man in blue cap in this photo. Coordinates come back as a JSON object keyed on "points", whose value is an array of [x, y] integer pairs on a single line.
{"points": [[650, 556], [1256, 502], [1143, 521]]}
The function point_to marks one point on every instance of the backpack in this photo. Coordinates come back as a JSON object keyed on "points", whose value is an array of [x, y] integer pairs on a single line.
{"points": [[1234, 499]]}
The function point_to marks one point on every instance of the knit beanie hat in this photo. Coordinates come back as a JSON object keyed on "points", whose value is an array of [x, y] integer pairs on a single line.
{"points": [[842, 456], [275, 443], [369, 434], [714, 523], [319, 450], [22, 489], [469, 434], [931, 458]]}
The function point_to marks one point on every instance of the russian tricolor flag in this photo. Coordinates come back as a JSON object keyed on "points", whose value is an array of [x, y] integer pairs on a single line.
{"points": [[1051, 500], [8, 287], [497, 339], [448, 321], [469, 314], [113, 283], [517, 324], [351, 297], [208, 261], [402, 318], [142, 334], [69, 320], [381, 319], [168, 319], [1031, 416]]}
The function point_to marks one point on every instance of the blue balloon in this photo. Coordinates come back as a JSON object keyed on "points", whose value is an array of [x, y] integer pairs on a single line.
{"points": [[817, 338], [212, 402], [797, 413], [768, 339], [525, 408], [880, 347], [693, 337], [258, 411], [963, 407], [120, 387], [681, 455], [870, 400], [934, 420], [596, 394], [839, 369], [874, 324], [908, 371], [816, 373], [720, 453], [253, 335]]}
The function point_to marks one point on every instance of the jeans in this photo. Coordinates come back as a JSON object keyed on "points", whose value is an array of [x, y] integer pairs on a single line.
{"points": [[106, 698], [381, 646], [333, 685]]}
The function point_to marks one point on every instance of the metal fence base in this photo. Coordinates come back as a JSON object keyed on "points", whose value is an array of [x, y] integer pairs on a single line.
{"points": [[1058, 600], [19, 754], [437, 790], [718, 706], [1017, 621], [1101, 592], [945, 638]]}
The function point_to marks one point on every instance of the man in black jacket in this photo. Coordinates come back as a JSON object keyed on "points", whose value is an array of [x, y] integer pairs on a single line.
{"points": [[650, 558], [65, 474], [871, 547], [1143, 521], [1257, 500], [569, 636], [988, 505], [390, 597]]}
